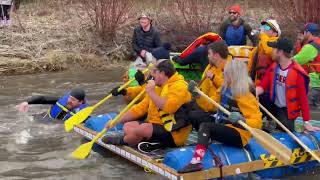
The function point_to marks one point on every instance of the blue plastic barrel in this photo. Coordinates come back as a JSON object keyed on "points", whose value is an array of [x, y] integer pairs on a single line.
{"points": [[277, 172], [228, 155], [97, 123]]}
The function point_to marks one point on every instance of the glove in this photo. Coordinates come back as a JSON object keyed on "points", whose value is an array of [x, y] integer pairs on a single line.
{"points": [[139, 76], [234, 117], [191, 87], [115, 91]]}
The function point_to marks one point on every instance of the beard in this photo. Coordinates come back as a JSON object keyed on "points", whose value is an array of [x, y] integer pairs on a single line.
{"points": [[233, 18]]}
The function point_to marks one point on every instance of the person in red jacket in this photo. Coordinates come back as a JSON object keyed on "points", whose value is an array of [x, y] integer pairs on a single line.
{"points": [[287, 83]]}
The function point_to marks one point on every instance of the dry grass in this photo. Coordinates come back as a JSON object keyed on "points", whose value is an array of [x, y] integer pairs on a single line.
{"points": [[53, 35]]}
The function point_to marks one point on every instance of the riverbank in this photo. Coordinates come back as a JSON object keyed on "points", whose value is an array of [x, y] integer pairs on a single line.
{"points": [[68, 35]]}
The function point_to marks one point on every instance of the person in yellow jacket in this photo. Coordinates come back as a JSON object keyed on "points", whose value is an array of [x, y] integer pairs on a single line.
{"points": [[131, 92], [162, 128], [236, 97], [262, 57], [211, 81]]}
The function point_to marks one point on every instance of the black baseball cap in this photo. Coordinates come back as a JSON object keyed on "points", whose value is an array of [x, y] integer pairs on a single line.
{"points": [[78, 93], [282, 44]]}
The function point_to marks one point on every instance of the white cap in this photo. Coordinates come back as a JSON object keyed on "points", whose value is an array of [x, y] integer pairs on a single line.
{"points": [[273, 23]]}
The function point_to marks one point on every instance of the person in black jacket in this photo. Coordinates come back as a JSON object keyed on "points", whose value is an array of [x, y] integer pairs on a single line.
{"points": [[235, 30], [145, 37], [61, 107]]}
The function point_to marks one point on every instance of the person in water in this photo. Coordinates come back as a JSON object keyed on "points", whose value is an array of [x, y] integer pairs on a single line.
{"points": [[61, 108], [235, 95]]}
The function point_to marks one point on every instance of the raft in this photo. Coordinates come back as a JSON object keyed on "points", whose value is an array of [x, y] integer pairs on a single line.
{"points": [[252, 160]]}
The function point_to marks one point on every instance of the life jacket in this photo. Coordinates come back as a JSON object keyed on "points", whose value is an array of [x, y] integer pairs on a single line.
{"points": [[314, 66], [59, 110], [229, 103], [210, 36], [291, 88], [235, 36], [170, 122], [264, 62]]}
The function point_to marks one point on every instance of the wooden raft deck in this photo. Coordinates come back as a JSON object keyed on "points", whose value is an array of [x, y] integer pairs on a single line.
{"points": [[146, 161]]}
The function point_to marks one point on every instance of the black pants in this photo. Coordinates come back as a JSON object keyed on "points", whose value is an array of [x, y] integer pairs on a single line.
{"points": [[199, 55], [5, 12], [219, 132], [195, 115], [280, 113]]}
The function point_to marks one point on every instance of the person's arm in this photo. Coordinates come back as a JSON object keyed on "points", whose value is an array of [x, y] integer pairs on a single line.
{"points": [[43, 100], [252, 37], [157, 39], [302, 98], [223, 29], [249, 108], [307, 54], [266, 80], [135, 46], [140, 109]]}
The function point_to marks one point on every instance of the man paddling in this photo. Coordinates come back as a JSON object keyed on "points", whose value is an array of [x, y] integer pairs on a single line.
{"points": [[162, 128], [61, 108], [287, 83]]}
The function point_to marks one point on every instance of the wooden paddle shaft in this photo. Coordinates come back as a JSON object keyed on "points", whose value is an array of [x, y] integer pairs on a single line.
{"points": [[120, 88], [290, 133], [282, 152]]}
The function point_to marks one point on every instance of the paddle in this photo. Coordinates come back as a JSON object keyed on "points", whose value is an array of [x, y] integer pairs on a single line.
{"points": [[83, 151], [291, 134], [83, 114], [264, 139]]}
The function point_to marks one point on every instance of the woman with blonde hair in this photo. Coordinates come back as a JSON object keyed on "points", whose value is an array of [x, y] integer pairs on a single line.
{"points": [[235, 95]]}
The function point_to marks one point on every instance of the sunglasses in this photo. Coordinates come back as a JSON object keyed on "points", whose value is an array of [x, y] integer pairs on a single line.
{"points": [[265, 27], [232, 12]]}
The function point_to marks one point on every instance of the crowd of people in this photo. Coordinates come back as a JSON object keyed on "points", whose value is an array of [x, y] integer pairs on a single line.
{"points": [[170, 108]]}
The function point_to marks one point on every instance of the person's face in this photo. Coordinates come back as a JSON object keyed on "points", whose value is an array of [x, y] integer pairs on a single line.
{"points": [[73, 103], [300, 36], [268, 30], [276, 55], [306, 36], [212, 57], [233, 15], [158, 76], [144, 22]]}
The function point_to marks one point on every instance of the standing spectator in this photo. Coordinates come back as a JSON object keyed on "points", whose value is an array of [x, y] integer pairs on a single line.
{"points": [[234, 29], [309, 57], [5, 6]]}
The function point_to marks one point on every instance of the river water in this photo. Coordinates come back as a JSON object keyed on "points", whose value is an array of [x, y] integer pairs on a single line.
{"points": [[33, 149]]}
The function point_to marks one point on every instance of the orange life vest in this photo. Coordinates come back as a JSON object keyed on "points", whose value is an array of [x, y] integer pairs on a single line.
{"points": [[293, 105], [204, 39], [314, 66]]}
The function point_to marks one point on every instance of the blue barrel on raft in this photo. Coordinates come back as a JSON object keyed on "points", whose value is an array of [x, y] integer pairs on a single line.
{"points": [[178, 158], [97, 123], [228, 155], [259, 153]]}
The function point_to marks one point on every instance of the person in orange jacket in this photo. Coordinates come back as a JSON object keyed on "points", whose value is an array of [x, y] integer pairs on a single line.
{"points": [[287, 83], [162, 128], [235, 95]]}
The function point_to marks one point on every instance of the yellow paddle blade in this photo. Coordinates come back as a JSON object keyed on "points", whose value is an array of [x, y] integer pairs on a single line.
{"points": [[282, 152], [83, 151], [78, 118]]}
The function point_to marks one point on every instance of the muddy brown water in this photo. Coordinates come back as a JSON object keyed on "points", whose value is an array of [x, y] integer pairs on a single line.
{"points": [[33, 149]]}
